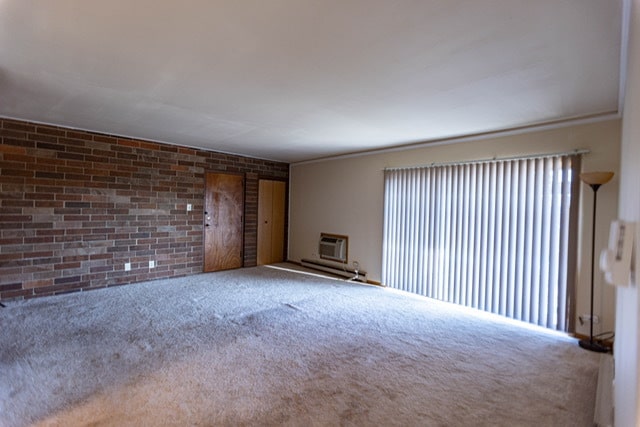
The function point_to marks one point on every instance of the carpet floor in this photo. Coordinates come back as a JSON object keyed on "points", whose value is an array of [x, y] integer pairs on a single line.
{"points": [[264, 346]]}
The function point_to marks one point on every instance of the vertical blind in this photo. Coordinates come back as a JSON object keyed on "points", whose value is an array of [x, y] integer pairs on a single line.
{"points": [[496, 235]]}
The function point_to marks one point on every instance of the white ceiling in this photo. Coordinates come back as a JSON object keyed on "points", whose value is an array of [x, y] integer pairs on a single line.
{"points": [[295, 80]]}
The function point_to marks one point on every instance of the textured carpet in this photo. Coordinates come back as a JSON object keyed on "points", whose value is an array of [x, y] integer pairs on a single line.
{"points": [[262, 346]]}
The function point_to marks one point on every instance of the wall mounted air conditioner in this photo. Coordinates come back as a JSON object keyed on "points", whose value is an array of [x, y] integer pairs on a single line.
{"points": [[333, 247]]}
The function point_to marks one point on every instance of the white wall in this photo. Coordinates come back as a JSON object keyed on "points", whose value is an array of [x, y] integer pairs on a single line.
{"points": [[627, 355], [345, 196]]}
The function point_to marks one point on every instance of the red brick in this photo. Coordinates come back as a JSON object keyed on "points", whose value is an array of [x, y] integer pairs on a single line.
{"points": [[37, 283], [14, 134], [67, 265], [46, 142], [89, 183], [47, 130], [21, 158], [106, 139], [17, 173], [70, 156], [15, 294], [10, 287], [78, 135], [21, 203], [17, 125]]}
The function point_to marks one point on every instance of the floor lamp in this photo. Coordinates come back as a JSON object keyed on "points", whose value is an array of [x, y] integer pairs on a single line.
{"points": [[594, 180]]}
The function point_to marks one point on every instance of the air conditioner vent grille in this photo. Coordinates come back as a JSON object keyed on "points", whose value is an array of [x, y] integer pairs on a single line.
{"points": [[333, 247]]}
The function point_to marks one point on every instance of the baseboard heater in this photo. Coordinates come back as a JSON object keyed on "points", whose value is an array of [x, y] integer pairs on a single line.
{"points": [[340, 270]]}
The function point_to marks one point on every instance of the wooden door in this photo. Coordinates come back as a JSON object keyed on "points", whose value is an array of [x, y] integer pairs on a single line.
{"points": [[271, 215], [223, 211]]}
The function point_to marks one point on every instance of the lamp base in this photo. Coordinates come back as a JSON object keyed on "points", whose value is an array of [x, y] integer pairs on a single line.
{"points": [[594, 346]]}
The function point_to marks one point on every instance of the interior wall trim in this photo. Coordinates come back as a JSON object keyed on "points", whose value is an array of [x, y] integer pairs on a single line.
{"points": [[137, 138], [557, 124], [493, 159]]}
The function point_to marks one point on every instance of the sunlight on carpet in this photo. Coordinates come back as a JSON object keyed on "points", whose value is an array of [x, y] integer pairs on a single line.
{"points": [[265, 346]]}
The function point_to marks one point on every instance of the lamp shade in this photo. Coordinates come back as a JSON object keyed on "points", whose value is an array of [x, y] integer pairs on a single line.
{"points": [[596, 178]]}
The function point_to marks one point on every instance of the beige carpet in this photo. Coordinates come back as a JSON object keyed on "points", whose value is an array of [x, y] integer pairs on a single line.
{"points": [[263, 346]]}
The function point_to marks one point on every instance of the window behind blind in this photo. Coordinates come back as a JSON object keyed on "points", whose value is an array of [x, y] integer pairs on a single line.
{"points": [[496, 235]]}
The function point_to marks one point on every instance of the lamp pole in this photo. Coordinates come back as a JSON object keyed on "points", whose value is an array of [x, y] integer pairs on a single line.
{"points": [[594, 180]]}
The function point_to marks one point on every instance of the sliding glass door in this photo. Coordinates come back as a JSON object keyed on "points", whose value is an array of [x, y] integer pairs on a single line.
{"points": [[496, 235]]}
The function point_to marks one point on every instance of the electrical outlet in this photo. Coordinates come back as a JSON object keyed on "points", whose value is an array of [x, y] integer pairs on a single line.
{"points": [[152, 264], [189, 207], [127, 266]]}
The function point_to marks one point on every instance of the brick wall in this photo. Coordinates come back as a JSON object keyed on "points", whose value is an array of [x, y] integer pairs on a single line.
{"points": [[76, 206]]}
